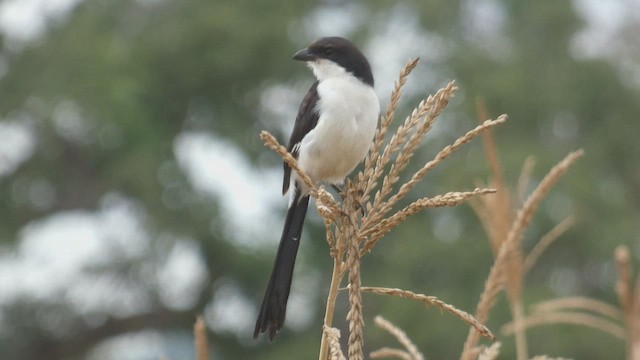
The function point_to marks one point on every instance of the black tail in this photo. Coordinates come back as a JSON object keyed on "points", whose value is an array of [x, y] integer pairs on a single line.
{"points": [[274, 304]]}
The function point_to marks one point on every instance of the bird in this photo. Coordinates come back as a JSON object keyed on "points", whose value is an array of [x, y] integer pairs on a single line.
{"points": [[332, 133]]}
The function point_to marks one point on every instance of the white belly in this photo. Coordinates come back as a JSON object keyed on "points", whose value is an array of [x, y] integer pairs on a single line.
{"points": [[344, 132]]}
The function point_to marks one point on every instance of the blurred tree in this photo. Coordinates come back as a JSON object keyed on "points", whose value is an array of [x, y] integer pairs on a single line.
{"points": [[107, 93]]}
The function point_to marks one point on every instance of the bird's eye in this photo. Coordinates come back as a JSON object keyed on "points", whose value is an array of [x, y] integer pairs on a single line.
{"points": [[328, 51]]}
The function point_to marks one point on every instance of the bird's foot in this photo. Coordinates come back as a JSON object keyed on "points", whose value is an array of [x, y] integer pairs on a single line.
{"points": [[358, 195]]}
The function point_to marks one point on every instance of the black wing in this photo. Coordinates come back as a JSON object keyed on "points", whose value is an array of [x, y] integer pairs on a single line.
{"points": [[306, 120]]}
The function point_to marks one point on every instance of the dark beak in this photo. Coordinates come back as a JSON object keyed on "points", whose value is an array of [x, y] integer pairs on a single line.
{"points": [[304, 55]]}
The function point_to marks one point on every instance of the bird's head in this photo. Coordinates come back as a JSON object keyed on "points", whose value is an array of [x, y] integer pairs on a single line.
{"points": [[335, 56]]}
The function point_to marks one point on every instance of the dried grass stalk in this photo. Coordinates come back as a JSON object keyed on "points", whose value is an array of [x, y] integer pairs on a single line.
{"points": [[434, 301], [383, 227], [273, 144], [373, 159], [415, 128], [201, 342], [547, 240], [495, 211], [336, 278], [578, 303], [525, 214], [401, 336], [629, 298], [386, 352], [491, 353], [492, 287], [385, 207], [374, 170], [525, 177], [354, 316], [624, 284], [508, 263], [569, 317], [333, 337]]}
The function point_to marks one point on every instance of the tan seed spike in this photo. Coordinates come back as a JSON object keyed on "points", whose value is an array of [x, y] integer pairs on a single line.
{"points": [[385, 353], [401, 336], [570, 317], [274, 145], [420, 174], [333, 336], [432, 300], [491, 353]]}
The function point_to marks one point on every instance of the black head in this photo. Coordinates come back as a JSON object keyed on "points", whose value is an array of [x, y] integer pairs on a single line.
{"points": [[342, 52]]}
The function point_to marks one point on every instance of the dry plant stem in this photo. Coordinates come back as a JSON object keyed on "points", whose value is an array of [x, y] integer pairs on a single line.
{"points": [[515, 260], [545, 241], [201, 343], [578, 303], [514, 282], [525, 177], [386, 352], [336, 279], [328, 210], [385, 207], [401, 336], [496, 277], [354, 316], [484, 209], [420, 174], [432, 300], [374, 155], [337, 252], [629, 301], [492, 352], [376, 232], [490, 147], [498, 222], [433, 104], [570, 317], [633, 327], [273, 144], [635, 309], [624, 283], [333, 339], [520, 335], [500, 213], [492, 287], [429, 109], [525, 214], [391, 109]]}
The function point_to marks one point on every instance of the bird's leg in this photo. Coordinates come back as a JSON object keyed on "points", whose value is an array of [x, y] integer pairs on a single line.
{"points": [[358, 195], [342, 197], [357, 204]]}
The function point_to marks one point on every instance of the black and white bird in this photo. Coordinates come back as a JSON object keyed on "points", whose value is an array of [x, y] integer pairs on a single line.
{"points": [[333, 132]]}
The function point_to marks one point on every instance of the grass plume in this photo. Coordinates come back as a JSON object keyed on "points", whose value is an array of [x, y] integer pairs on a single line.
{"points": [[506, 226], [410, 351]]}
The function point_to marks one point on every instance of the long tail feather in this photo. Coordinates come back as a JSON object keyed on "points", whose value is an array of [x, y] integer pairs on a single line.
{"points": [[274, 304]]}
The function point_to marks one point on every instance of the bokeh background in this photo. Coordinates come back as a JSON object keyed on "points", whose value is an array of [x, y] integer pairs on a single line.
{"points": [[135, 192]]}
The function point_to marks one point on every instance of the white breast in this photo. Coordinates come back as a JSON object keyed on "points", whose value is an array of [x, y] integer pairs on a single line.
{"points": [[349, 115]]}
